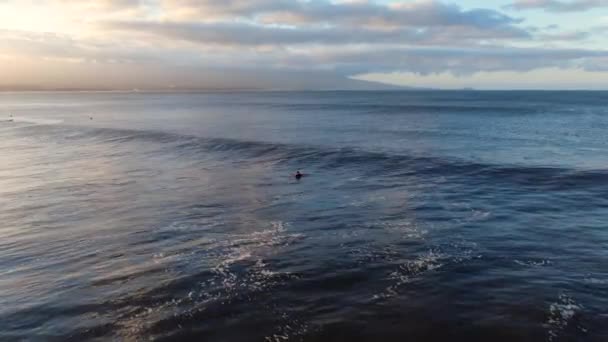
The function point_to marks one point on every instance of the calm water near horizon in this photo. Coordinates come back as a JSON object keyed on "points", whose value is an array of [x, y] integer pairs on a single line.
{"points": [[424, 216]]}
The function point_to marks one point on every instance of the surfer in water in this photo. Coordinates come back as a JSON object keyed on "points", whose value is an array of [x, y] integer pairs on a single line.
{"points": [[298, 174]]}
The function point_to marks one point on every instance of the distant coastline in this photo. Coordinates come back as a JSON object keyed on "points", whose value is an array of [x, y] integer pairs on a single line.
{"points": [[33, 89]]}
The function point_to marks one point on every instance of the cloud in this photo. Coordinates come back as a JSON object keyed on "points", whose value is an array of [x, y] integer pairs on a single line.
{"points": [[106, 5], [596, 64], [565, 36], [254, 35], [293, 23], [340, 60], [558, 5], [188, 39], [231, 33], [458, 61], [544, 79], [290, 12], [47, 45]]}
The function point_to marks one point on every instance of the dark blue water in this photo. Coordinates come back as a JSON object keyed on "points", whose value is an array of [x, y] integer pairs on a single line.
{"points": [[424, 216]]}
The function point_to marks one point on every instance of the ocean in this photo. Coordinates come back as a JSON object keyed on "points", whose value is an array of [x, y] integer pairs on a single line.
{"points": [[423, 216]]}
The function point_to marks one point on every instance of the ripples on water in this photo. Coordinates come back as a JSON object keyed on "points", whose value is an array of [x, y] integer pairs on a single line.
{"points": [[162, 219]]}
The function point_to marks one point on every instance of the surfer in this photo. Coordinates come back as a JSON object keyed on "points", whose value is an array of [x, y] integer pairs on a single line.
{"points": [[298, 174]]}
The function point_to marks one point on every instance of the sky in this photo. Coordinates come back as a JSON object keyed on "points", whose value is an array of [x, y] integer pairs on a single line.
{"points": [[303, 44]]}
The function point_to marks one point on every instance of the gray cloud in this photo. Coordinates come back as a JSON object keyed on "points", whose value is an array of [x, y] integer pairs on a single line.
{"points": [[253, 35], [247, 67], [596, 64], [192, 40], [420, 13], [558, 5], [460, 61], [565, 36], [347, 60]]}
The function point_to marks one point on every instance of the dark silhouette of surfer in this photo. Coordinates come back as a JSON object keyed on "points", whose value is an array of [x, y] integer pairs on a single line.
{"points": [[298, 175]]}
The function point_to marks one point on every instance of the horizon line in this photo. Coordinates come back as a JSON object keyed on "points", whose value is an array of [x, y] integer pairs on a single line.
{"points": [[210, 90]]}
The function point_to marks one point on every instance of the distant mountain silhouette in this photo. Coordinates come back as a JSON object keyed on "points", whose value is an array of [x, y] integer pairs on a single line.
{"points": [[214, 80]]}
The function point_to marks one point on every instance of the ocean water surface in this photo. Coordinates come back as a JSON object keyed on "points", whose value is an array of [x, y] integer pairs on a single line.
{"points": [[424, 216]]}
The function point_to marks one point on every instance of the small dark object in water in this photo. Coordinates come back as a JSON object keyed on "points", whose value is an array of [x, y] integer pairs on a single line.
{"points": [[298, 175]]}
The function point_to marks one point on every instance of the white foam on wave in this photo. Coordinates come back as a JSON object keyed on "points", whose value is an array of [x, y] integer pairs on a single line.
{"points": [[405, 228], [35, 121], [369, 253], [290, 330], [479, 215], [248, 250], [410, 270], [532, 263], [432, 260], [470, 214], [238, 267], [561, 314], [596, 281]]}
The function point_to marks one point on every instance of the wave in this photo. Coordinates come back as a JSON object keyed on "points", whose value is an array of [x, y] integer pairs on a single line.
{"points": [[562, 315], [414, 108], [35, 121], [324, 157]]}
